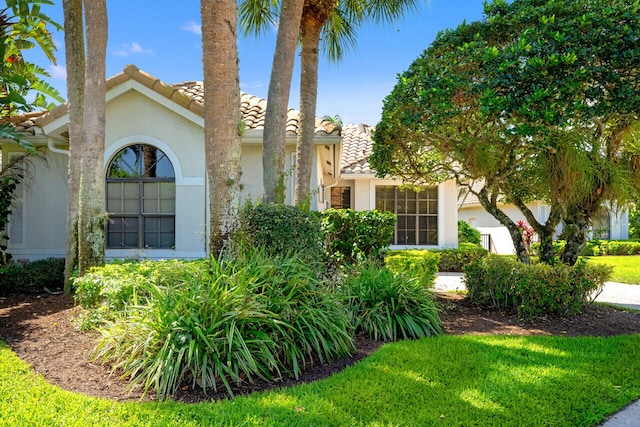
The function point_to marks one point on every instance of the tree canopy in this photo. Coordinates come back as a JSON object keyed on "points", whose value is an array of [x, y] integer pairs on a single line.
{"points": [[537, 101], [23, 26]]}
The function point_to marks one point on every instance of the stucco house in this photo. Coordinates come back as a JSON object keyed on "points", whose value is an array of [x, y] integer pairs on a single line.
{"points": [[609, 224], [156, 193]]}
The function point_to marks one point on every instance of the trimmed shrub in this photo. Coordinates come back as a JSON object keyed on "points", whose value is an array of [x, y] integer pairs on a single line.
{"points": [[421, 264], [281, 229], [468, 234], [455, 259], [219, 324], [389, 306], [503, 283], [105, 292], [558, 247], [45, 275], [353, 236], [612, 247]]}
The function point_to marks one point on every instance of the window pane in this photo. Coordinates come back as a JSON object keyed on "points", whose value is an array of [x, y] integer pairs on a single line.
{"points": [[150, 206], [167, 206], [151, 189], [137, 168], [167, 190], [433, 207], [130, 206]]}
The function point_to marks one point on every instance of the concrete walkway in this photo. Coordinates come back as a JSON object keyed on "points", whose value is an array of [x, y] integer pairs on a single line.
{"points": [[613, 293]]}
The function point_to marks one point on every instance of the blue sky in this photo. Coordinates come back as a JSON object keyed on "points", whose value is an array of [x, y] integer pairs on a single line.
{"points": [[163, 39]]}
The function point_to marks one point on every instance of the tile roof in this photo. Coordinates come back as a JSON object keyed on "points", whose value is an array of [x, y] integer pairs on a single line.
{"points": [[254, 108], [26, 123], [190, 95], [356, 149]]}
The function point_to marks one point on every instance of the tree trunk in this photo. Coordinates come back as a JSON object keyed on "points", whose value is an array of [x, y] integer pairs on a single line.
{"points": [[575, 231], [91, 213], [74, 46], [221, 118], [490, 206], [545, 231], [275, 121], [308, 98]]}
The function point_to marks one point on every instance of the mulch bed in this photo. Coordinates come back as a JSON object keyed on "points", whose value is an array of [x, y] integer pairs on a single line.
{"points": [[39, 329]]}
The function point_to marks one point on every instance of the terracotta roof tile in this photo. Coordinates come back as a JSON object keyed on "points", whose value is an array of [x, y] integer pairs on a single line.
{"points": [[254, 108], [356, 149], [26, 123]]}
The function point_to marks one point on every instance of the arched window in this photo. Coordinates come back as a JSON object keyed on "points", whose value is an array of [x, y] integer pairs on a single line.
{"points": [[141, 199]]}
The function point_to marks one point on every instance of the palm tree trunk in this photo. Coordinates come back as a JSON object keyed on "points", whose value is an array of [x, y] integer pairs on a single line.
{"points": [[91, 212], [275, 121], [74, 46], [221, 118], [308, 98]]}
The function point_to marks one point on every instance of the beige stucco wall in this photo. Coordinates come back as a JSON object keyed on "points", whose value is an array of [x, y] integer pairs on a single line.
{"points": [[363, 197], [134, 118], [44, 207]]}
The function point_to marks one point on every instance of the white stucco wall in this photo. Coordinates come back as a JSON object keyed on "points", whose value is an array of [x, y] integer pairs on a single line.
{"points": [[134, 118], [44, 207], [363, 197]]}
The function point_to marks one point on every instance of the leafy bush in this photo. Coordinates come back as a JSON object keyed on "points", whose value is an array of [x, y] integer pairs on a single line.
{"points": [[389, 306], [468, 234], [503, 283], [45, 275], [107, 291], [612, 247], [455, 259], [634, 221], [246, 317], [353, 236], [420, 264], [558, 247], [281, 229]]}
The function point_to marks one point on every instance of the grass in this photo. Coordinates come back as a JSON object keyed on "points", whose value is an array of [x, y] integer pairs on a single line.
{"points": [[626, 268], [443, 381]]}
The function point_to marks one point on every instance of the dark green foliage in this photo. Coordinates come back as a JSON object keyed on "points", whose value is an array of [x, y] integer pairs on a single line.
{"points": [[502, 283], [281, 229], [634, 222], [612, 247], [7, 186], [456, 258], [537, 101], [419, 264], [353, 236], [468, 234], [389, 306], [45, 275], [244, 317]]}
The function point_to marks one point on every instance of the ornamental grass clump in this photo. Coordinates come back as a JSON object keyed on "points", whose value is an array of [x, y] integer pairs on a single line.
{"points": [[246, 317], [389, 306], [503, 283]]}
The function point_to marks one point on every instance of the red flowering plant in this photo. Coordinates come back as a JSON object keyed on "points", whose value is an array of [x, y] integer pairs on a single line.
{"points": [[528, 233]]}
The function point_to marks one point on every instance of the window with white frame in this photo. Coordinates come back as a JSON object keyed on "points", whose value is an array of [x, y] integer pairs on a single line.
{"points": [[141, 199], [416, 211]]}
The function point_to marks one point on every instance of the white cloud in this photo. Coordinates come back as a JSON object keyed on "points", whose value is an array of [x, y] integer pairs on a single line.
{"points": [[58, 72], [132, 49], [192, 27]]}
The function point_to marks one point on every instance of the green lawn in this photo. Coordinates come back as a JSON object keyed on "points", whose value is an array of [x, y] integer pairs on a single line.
{"points": [[626, 269], [443, 381]]}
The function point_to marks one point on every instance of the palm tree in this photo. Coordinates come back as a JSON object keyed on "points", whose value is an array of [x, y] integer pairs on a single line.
{"points": [[334, 22], [221, 117], [74, 46], [91, 212], [254, 14], [24, 26]]}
